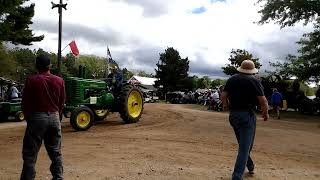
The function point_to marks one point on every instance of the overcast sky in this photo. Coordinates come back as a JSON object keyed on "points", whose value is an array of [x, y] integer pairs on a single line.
{"points": [[136, 31]]}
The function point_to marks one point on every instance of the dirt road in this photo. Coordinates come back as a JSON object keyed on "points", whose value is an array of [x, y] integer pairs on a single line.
{"points": [[172, 142]]}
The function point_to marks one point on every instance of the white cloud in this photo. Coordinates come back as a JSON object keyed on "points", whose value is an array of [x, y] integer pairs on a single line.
{"points": [[163, 23]]}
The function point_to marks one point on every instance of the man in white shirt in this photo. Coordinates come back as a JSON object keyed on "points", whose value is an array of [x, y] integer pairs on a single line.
{"points": [[215, 96], [14, 92]]}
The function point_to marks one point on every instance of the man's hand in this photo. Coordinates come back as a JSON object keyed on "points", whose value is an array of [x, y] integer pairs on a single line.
{"points": [[224, 99], [264, 107], [225, 108], [265, 117]]}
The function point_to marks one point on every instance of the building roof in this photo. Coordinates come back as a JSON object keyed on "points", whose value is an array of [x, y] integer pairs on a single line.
{"points": [[143, 80]]}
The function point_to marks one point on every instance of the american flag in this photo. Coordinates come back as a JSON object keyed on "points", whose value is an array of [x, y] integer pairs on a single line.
{"points": [[109, 58]]}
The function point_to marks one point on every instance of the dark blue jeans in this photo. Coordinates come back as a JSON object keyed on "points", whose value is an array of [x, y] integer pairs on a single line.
{"points": [[44, 127], [244, 126]]}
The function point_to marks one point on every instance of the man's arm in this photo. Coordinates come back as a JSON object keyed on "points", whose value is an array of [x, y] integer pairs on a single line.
{"points": [[224, 98], [26, 98], [264, 107], [263, 102], [62, 99]]}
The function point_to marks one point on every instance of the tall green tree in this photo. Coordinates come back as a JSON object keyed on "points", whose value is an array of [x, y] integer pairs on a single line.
{"points": [[306, 66], [236, 58], [15, 19], [172, 70], [308, 62]]}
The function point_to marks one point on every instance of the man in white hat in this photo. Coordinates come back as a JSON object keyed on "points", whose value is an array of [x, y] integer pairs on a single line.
{"points": [[242, 93]]}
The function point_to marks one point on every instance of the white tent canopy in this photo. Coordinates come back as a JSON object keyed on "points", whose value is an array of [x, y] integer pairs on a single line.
{"points": [[143, 80]]}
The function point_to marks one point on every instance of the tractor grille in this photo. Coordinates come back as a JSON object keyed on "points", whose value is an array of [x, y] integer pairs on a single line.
{"points": [[72, 90]]}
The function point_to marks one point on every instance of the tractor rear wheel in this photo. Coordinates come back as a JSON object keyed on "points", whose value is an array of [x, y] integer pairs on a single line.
{"points": [[131, 104], [19, 116], [81, 118]]}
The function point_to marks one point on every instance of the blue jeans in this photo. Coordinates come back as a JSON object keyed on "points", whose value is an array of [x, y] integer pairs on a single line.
{"points": [[42, 127], [244, 126]]}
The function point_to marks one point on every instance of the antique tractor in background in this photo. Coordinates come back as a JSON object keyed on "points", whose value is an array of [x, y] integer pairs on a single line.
{"points": [[10, 109], [90, 100]]}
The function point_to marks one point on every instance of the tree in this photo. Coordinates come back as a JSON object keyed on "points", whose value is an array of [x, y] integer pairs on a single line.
{"points": [[145, 74], [307, 65], [95, 66], [8, 66], [217, 82], [127, 74], [25, 59], [191, 83], [70, 63], [236, 58], [289, 12], [172, 70], [15, 18], [204, 82]]}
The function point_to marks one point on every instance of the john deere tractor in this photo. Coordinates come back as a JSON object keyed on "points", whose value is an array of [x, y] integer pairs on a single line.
{"points": [[10, 109], [90, 100]]}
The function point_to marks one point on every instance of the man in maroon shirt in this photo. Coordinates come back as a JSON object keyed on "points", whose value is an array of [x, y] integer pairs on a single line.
{"points": [[42, 103]]}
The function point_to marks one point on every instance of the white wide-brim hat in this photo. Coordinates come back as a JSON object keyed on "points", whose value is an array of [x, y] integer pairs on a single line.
{"points": [[247, 67]]}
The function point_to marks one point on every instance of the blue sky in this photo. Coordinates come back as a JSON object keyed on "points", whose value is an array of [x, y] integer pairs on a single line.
{"points": [[202, 9], [199, 10]]}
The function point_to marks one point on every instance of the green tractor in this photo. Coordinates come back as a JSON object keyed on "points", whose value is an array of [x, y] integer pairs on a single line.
{"points": [[9, 109], [90, 100]]}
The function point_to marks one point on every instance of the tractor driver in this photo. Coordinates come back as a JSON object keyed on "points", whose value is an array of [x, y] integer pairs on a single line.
{"points": [[116, 76]]}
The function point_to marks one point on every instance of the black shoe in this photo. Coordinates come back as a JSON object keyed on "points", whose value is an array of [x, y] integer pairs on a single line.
{"points": [[251, 170]]}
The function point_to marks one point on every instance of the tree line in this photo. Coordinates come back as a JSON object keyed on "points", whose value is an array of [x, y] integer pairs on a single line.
{"points": [[18, 63]]}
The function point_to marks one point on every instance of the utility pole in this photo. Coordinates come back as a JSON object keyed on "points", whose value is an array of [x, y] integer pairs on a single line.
{"points": [[59, 6]]}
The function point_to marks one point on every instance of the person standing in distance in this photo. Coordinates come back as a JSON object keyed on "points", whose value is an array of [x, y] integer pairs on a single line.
{"points": [[241, 94], [276, 101], [42, 103]]}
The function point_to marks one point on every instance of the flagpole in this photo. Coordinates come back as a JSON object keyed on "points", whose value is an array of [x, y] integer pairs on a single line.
{"points": [[108, 58], [59, 6], [65, 47], [108, 66]]}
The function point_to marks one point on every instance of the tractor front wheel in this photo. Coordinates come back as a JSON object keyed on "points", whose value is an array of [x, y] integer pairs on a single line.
{"points": [[131, 104], [81, 118], [19, 116], [100, 114]]}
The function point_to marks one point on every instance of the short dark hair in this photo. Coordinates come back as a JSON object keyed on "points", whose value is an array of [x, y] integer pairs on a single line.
{"points": [[43, 63]]}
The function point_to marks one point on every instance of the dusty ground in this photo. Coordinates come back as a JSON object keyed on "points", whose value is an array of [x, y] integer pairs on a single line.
{"points": [[173, 142]]}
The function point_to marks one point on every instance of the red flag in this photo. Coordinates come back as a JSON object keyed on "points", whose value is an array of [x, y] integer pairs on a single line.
{"points": [[74, 48]]}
